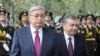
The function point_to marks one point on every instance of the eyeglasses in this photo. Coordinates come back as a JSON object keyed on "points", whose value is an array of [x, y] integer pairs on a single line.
{"points": [[37, 15]]}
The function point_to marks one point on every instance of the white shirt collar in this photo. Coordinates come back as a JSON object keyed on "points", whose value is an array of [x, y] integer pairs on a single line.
{"points": [[90, 26], [4, 25], [67, 39], [48, 24], [67, 36], [33, 33], [25, 25], [33, 29]]}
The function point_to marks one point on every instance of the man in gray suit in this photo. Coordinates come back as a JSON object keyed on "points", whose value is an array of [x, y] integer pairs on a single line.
{"points": [[34, 40]]}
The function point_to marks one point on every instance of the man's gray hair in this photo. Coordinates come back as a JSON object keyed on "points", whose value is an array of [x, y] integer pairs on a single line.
{"points": [[68, 16], [35, 7]]}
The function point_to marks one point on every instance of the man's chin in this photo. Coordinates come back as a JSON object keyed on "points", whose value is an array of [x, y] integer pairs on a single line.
{"points": [[73, 33], [39, 25]]}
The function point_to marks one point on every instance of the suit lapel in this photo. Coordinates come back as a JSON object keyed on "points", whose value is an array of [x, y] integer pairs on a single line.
{"points": [[30, 40], [75, 45], [64, 44], [44, 40]]}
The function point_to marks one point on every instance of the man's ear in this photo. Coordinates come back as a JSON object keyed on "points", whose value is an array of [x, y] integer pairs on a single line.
{"points": [[63, 24]]}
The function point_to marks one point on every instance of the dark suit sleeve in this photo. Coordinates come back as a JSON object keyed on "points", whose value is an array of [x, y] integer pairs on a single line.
{"points": [[55, 45], [15, 45]]}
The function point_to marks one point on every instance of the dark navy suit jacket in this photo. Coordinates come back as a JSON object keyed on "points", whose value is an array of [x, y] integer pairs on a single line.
{"points": [[79, 46], [23, 44]]}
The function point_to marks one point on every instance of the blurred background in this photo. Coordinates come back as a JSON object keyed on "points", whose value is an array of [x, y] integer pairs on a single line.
{"points": [[58, 7], [86, 11]]}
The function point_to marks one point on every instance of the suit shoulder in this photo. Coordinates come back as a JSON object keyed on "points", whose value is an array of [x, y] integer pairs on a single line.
{"points": [[60, 35], [77, 35], [21, 29], [48, 30], [80, 37]]}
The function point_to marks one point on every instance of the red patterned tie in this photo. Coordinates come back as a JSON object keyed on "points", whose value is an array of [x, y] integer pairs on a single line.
{"points": [[70, 48], [37, 44]]}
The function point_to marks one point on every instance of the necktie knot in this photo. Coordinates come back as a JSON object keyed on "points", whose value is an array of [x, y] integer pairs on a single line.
{"points": [[36, 31], [69, 39]]}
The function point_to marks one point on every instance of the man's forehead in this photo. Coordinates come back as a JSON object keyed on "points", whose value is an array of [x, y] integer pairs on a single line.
{"points": [[72, 21], [37, 12]]}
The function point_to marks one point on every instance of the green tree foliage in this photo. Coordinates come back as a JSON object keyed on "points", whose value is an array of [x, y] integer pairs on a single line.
{"points": [[58, 7]]}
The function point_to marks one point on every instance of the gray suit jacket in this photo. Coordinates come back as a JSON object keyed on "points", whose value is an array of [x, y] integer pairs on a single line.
{"points": [[23, 44]]}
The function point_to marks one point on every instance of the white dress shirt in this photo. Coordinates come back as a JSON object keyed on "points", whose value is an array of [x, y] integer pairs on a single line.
{"points": [[90, 26], [4, 25], [47, 24], [34, 34], [67, 39]]}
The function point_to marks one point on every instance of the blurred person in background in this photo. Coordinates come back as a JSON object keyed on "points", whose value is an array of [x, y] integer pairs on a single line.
{"points": [[48, 21], [6, 33], [98, 34], [23, 18]]}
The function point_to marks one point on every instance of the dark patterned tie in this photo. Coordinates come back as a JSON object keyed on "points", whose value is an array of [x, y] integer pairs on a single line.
{"points": [[37, 44], [70, 48]]}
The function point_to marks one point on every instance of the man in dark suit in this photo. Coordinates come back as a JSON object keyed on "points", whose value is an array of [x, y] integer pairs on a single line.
{"points": [[34, 40], [68, 42]]}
